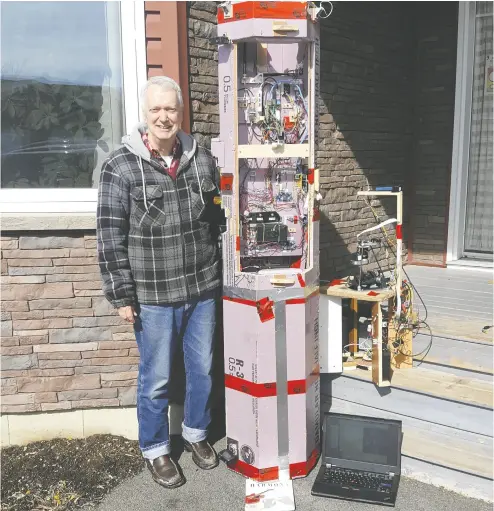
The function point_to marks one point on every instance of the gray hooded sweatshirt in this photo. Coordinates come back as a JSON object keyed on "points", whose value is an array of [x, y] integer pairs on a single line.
{"points": [[157, 237]]}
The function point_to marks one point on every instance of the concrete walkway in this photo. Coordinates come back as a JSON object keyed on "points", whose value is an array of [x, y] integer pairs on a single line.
{"points": [[223, 490]]}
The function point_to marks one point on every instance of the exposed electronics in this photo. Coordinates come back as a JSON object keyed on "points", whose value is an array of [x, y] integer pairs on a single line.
{"points": [[368, 280], [268, 74]]}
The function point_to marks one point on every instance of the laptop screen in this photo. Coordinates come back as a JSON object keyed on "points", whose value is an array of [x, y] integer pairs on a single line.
{"points": [[362, 440]]}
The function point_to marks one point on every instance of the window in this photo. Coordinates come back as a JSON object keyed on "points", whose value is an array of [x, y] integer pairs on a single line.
{"points": [[70, 75], [470, 205], [479, 223]]}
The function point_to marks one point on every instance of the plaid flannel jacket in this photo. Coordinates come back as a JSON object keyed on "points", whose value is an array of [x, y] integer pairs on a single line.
{"points": [[157, 238]]}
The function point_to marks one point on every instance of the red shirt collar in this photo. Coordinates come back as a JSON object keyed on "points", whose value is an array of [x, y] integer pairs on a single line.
{"points": [[155, 154]]}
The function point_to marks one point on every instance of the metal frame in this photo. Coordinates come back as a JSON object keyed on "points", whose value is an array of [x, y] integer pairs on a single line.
{"points": [[399, 239], [75, 201]]}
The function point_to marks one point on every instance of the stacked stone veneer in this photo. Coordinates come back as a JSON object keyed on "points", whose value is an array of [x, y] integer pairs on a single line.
{"points": [[63, 346], [203, 71]]}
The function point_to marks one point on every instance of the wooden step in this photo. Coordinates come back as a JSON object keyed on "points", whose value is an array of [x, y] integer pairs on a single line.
{"points": [[458, 353], [426, 407], [426, 441], [438, 383]]}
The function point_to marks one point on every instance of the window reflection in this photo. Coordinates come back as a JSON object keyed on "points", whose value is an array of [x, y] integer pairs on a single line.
{"points": [[62, 99]]}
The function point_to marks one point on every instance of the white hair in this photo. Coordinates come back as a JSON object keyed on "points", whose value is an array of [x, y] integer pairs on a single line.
{"points": [[165, 84]]}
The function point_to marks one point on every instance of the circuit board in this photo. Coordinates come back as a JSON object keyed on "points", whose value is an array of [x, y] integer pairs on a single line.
{"points": [[272, 109]]}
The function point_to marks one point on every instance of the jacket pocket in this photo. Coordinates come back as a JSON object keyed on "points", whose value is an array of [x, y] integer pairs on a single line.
{"points": [[154, 213], [198, 207]]}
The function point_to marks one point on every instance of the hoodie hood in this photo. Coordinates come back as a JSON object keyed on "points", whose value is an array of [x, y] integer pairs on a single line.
{"points": [[133, 142]]}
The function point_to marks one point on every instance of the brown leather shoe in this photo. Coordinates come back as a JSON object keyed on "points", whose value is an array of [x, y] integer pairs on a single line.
{"points": [[165, 472], [203, 455]]}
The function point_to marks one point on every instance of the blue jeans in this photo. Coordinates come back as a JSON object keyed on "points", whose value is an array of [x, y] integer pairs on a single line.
{"points": [[158, 330]]}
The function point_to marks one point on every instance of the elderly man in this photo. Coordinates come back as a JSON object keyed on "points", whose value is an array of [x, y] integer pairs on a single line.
{"points": [[160, 264]]}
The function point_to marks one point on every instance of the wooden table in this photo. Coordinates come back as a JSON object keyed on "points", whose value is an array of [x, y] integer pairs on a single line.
{"points": [[336, 292]]}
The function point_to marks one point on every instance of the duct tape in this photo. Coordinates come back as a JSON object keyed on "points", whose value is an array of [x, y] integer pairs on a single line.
{"points": [[284, 468], [276, 295], [281, 382]]}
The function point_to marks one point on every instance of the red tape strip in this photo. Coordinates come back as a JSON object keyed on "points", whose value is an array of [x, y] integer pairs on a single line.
{"points": [[303, 468], [300, 469], [296, 387], [399, 232], [265, 309], [293, 301], [248, 387], [336, 282], [267, 389], [240, 300]]}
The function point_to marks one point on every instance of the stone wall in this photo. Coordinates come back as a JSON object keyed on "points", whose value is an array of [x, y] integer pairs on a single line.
{"points": [[203, 71], [435, 75], [365, 135], [63, 346]]}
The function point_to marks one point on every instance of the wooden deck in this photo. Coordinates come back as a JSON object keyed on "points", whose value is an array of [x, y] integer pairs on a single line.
{"points": [[459, 302]]}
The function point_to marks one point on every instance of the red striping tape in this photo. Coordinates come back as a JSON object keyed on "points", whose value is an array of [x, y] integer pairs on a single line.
{"points": [[267, 389], [296, 387], [245, 469], [301, 280], [258, 474], [296, 264], [310, 176], [248, 387], [237, 244], [240, 300], [300, 469], [336, 282], [265, 309], [303, 468], [399, 232], [264, 10], [312, 461], [294, 301], [226, 182]]}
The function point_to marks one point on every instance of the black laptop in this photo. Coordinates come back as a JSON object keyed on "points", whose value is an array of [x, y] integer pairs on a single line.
{"points": [[361, 459]]}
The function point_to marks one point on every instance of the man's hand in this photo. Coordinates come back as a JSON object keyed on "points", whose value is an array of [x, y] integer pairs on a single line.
{"points": [[127, 313]]}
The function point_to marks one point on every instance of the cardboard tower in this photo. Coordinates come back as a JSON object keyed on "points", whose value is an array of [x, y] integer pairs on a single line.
{"points": [[268, 61]]}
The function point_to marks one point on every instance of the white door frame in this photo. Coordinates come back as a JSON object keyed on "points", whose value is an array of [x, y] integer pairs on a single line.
{"points": [[461, 130]]}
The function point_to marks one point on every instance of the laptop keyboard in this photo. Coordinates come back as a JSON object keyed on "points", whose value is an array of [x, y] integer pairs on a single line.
{"points": [[358, 479]]}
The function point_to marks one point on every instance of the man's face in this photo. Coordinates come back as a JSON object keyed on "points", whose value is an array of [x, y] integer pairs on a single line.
{"points": [[163, 113]]}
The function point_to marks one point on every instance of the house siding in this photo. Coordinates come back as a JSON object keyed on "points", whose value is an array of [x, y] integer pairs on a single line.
{"points": [[63, 345]]}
